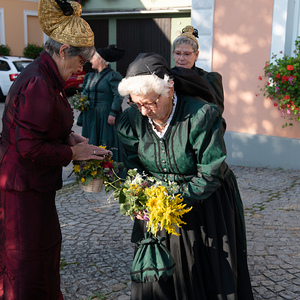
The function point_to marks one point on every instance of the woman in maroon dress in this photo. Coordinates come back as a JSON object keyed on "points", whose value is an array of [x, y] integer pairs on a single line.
{"points": [[36, 142]]}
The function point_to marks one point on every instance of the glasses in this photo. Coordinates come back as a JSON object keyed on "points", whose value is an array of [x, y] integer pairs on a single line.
{"points": [[83, 61], [186, 54], [138, 106]]}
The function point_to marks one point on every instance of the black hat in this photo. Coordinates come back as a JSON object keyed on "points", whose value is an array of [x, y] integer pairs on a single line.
{"points": [[111, 53], [147, 64]]}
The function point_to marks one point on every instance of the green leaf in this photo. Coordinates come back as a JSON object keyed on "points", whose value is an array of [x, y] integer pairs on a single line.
{"points": [[123, 209], [88, 179], [122, 197]]}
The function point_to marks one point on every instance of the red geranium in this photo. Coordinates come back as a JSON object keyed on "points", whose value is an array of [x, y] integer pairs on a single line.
{"points": [[283, 84]]}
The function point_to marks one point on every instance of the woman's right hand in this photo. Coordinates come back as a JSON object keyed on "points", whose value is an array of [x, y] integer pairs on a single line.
{"points": [[84, 151], [75, 138]]}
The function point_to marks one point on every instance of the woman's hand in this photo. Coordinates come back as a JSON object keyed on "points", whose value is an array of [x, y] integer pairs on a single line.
{"points": [[139, 216], [84, 151], [111, 120], [75, 138]]}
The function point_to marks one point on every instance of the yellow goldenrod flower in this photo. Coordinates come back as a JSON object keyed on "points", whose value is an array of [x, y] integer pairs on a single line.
{"points": [[165, 210], [82, 180]]}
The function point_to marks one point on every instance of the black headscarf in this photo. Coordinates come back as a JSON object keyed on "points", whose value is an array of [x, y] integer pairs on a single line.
{"points": [[147, 64], [186, 81]]}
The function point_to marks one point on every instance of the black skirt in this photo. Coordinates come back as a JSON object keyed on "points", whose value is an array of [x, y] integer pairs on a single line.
{"points": [[210, 253]]}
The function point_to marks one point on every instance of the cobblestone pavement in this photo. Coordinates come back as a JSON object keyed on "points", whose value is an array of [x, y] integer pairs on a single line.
{"points": [[97, 253]]}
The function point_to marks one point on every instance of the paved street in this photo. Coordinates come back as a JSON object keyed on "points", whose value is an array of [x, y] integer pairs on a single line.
{"points": [[97, 254]]}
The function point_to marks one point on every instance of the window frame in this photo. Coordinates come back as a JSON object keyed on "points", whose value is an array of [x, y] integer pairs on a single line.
{"points": [[285, 27]]}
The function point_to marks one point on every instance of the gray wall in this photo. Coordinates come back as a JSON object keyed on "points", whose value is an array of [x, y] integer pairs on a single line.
{"points": [[254, 150]]}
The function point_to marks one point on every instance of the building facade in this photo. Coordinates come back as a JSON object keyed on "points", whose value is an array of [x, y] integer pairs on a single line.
{"points": [[236, 39], [19, 25]]}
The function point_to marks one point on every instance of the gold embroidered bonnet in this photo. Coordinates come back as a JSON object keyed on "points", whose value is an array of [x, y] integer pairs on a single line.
{"points": [[66, 29]]}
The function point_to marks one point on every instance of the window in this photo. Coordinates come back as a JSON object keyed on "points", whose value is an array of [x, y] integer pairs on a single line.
{"points": [[292, 26], [4, 66], [286, 26], [202, 18], [20, 65]]}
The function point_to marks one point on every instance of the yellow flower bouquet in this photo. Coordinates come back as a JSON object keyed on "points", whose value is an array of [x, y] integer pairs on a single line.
{"points": [[164, 210], [161, 206]]}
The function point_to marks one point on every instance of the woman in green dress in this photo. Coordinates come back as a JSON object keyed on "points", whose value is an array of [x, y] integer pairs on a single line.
{"points": [[177, 137], [100, 121]]}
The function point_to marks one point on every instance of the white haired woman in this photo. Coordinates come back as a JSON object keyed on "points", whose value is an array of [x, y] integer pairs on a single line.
{"points": [[177, 137]]}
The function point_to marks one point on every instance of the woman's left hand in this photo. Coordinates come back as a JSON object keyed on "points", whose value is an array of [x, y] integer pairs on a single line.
{"points": [[111, 120], [75, 138]]}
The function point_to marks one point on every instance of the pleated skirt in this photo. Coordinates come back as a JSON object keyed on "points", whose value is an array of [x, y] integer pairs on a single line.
{"points": [[210, 253], [30, 243]]}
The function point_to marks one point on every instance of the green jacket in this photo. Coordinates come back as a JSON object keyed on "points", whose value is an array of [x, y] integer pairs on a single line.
{"points": [[192, 151]]}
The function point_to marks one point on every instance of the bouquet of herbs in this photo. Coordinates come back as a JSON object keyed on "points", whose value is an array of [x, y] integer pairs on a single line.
{"points": [[79, 101], [161, 206], [87, 170], [145, 197]]}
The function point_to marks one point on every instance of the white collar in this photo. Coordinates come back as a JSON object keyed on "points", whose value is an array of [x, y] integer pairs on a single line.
{"points": [[161, 134]]}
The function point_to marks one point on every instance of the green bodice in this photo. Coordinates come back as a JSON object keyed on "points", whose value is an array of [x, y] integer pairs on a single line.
{"points": [[192, 151]]}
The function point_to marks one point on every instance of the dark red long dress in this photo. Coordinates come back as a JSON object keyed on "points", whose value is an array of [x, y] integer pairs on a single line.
{"points": [[36, 123]]}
